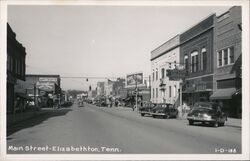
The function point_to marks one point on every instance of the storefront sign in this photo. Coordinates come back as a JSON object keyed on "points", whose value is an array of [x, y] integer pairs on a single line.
{"points": [[176, 74], [48, 79]]}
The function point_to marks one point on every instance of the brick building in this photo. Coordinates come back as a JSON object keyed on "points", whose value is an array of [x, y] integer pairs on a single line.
{"points": [[16, 69], [227, 61], [197, 54]]}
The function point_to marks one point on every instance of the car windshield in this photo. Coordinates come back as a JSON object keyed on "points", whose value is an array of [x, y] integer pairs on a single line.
{"points": [[203, 106]]}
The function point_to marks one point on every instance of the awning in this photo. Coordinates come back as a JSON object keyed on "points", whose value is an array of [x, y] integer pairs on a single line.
{"points": [[223, 93]]}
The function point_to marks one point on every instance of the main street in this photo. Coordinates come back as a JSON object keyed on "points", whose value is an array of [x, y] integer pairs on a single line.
{"points": [[119, 130]]}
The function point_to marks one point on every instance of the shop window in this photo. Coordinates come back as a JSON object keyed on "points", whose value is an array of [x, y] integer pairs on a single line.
{"points": [[231, 57], [186, 62], [153, 75], [174, 91], [194, 62], [203, 59], [162, 72], [170, 91], [156, 74], [225, 57], [220, 58]]}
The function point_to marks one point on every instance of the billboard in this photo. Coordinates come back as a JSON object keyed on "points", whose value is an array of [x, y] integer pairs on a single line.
{"points": [[46, 86], [135, 79]]}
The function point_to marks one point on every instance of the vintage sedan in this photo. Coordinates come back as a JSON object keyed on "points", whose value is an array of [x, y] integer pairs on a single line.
{"points": [[207, 112], [165, 111], [146, 109]]}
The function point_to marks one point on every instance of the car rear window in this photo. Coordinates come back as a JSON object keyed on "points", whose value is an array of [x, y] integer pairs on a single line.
{"points": [[203, 105]]}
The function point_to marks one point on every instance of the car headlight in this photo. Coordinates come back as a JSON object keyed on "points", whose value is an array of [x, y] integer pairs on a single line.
{"points": [[207, 116]]}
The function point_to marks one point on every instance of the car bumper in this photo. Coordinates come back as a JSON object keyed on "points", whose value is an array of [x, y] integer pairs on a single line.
{"points": [[193, 118], [158, 114], [144, 112]]}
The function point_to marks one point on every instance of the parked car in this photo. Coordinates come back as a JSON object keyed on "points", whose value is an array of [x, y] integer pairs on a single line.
{"points": [[67, 104], [164, 110], [207, 112], [101, 104], [80, 103], [146, 109]]}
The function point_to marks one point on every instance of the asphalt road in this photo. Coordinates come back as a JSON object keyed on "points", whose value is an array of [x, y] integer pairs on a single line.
{"points": [[93, 130]]}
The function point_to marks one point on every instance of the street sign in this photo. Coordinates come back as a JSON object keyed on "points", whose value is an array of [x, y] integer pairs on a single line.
{"points": [[176, 74]]}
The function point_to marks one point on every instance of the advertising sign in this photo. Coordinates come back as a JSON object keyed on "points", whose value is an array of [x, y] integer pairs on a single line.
{"points": [[48, 79], [134, 79], [176, 74], [46, 86]]}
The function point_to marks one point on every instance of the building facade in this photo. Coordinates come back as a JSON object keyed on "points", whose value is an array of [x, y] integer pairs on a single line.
{"points": [[92, 94], [108, 88], [16, 69], [227, 61], [100, 88], [163, 58], [118, 87], [197, 48], [43, 88]]}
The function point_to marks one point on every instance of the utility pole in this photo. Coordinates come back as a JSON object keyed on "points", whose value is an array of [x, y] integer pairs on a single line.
{"points": [[181, 82], [150, 88], [136, 90], [35, 96]]}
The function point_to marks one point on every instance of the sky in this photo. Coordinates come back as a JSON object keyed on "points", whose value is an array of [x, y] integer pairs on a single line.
{"points": [[98, 41]]}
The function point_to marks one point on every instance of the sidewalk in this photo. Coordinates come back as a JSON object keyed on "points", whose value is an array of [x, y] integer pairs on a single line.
{"points": [[233, 122], [18, 117], [32, 118]]}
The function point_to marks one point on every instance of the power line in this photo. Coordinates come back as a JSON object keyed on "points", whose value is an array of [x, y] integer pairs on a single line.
{"points": [[81, 77]]}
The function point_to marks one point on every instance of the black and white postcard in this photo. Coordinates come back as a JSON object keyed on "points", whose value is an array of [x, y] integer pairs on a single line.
{"points": [[124, 80]]}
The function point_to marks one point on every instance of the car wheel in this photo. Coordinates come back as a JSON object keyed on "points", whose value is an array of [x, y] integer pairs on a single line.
{"points": [[215, 124], [190, 122], [222, 123], [153, 116], [142, 114]]}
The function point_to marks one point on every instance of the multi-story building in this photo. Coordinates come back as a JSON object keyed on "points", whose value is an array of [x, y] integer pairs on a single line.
{"points": [[15, 67], [108, 88], [92, 94], [227, 61], [163, 58], [197, 48], [118, 87], [100, 88]]}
